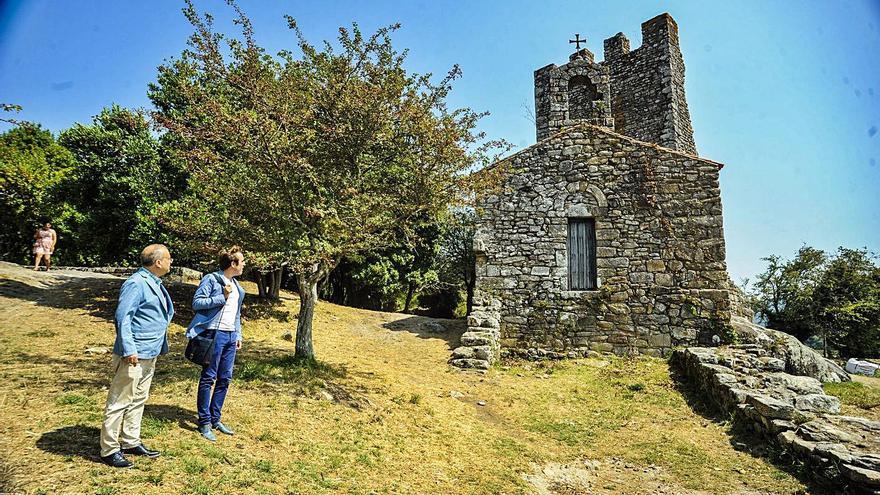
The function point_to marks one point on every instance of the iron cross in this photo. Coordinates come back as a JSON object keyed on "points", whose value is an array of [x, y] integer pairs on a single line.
{"points": [[577, 41]]}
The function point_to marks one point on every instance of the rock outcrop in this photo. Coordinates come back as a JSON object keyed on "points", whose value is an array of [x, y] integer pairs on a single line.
{"points": [[799, 359], [756, 386], [177, 273]]}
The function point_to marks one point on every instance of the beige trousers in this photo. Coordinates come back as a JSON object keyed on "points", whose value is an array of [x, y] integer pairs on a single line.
{"points": [[125, 404]]}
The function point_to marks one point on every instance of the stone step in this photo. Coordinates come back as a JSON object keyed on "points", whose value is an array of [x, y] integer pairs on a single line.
{"points": [[483, 320], [471, 338], [484, 352], [463, 352], [471, 363], [491, 330]]}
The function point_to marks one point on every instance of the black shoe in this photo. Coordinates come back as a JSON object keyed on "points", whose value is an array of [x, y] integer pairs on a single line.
{"points": [[116, 460], [141, 450]]}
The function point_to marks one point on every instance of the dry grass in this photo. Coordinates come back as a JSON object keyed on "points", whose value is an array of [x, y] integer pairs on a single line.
{"points": [[860, 397], [381, 412]]}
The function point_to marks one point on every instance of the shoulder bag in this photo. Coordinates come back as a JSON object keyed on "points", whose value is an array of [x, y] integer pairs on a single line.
{"points": [[200, 349]]}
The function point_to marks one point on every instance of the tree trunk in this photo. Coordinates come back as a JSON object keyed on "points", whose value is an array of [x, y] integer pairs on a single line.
{"points": [[276, 286], [308, 296], [824, 343], [261, 285], [410, 290], [270, 283], [335, 289]]}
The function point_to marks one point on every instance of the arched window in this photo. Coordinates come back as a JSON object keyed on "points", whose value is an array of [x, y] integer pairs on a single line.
{"points": [[581, 94]]}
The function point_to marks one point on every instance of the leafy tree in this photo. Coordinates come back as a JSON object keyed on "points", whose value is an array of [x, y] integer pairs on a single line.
{"points": [[458, 261], [121, 178], [836, 298], [784, 292], [314, 159], [390, 279], [372, 282], [847, 304], [32, 164]]}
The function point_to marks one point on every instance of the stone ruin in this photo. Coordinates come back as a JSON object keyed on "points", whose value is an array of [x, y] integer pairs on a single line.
{"points": [[763, 384], [607, 236]]}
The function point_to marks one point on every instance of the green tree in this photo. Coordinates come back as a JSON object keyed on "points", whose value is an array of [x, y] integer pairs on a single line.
{"points": [[458, 260], [314, 158], [390, 279], [32, 165], [121, 178], [836, 298], [847, 304], [784, 292]]}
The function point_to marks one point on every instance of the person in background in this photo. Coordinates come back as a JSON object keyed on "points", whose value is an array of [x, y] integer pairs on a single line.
{"points": [[217, 303], [142, 318], [44, 245]]}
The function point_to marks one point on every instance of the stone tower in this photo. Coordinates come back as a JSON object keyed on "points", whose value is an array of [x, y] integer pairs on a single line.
{"points": [[638, 93], [575, 92], [607, 234]]}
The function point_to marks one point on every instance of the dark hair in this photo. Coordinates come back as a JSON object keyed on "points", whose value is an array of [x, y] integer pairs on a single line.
{"points": [[227, 256]]}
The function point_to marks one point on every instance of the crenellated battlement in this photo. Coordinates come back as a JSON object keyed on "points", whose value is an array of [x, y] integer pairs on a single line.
{"points": [[638, 93]]}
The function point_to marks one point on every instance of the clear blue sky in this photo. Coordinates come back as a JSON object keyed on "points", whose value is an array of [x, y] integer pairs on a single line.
{"points": [[785, 93]]}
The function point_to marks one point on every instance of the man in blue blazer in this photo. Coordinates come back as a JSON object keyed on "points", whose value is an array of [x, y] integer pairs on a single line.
{"points": [[142, 318], [217, 303]]}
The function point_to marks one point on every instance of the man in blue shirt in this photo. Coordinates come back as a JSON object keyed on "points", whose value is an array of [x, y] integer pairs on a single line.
{"points": [[142, 318]]}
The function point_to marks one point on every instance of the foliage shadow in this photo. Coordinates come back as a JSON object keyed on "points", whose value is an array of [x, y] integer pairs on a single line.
{"points": [[431, 328]]}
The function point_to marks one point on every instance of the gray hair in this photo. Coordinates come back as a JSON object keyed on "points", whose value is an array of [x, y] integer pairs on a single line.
{"points": [[153, 253]]}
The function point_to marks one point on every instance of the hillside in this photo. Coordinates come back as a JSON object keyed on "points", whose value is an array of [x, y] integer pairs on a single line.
{"points": [[381, 412]]}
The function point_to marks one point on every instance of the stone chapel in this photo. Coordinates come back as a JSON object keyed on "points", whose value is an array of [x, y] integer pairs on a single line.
{"points": [[605, 235]]}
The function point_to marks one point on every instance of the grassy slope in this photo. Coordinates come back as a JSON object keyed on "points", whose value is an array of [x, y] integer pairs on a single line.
{"points": [[860, 397], [392, 427]]}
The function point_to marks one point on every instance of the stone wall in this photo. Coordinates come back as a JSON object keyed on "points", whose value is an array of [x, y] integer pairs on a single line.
{"points": [[842, 453], [639, 93], [556, 107], [177, 273], [647, 86], [660, 249], [739, 304]]}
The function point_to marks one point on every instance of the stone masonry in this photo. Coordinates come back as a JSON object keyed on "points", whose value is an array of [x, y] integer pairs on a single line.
{"points": [[659, 250], [579, 91], [637, 93], [647, 86], [759, 391], [616, 150]]}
